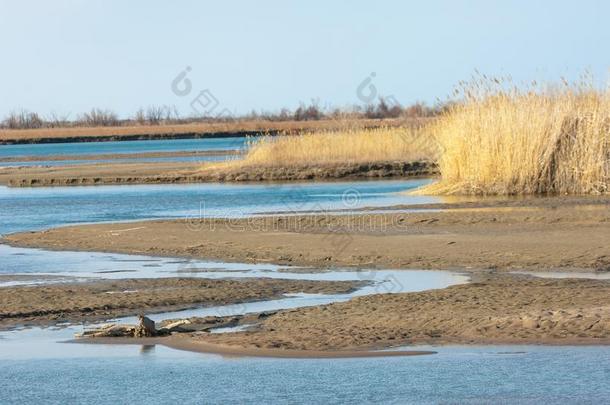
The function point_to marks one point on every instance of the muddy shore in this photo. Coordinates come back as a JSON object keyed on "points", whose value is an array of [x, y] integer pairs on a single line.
{"points": [[77, 302], [195, 172]]}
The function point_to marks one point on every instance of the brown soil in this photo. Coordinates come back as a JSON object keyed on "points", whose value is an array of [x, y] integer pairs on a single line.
{"points": [[564, 234], [101, 300], [495, 309]]}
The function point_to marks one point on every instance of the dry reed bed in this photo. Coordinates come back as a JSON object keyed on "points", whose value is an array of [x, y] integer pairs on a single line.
{"points": [[494, 141], [402, 144], [539, 140]]}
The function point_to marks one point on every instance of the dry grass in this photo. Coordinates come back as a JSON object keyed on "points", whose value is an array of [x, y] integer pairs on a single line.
{"points": [[540, 140], [404, 144], [202, 128]]}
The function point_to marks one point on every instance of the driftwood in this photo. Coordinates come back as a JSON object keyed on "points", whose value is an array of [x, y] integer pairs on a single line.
{"points": [[146, 327]]}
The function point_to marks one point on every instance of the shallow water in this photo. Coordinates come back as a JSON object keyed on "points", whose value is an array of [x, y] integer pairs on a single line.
{"points": [[52, 163], [91, 265], [456, 374], [94, 148], [24, 209]]}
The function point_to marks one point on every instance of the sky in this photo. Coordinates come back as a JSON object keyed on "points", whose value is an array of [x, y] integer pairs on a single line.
{"points": [[68, 56]]}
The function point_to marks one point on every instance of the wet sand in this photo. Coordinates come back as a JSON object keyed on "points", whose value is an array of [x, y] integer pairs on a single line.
{"points": [[557, 235], [101, 300], [494, 309], [188, 344]]}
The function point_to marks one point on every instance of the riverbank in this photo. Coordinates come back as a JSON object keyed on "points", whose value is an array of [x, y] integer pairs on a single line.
{"points": [[195, 172], [553, 234], [92, 301]]}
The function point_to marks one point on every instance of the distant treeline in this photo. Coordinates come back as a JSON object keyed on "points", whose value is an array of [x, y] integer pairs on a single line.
{"points": [[165, 115]]}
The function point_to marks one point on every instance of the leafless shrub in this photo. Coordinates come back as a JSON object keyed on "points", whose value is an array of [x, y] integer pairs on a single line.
{"points": [[55, 120], [99, 118], [308, 113], [23, 119], [166, 114], [140, 117], [383, 109]]}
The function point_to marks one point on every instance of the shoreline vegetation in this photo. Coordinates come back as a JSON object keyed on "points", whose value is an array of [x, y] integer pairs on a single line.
{"points": [[542, 151], [498, 139]]}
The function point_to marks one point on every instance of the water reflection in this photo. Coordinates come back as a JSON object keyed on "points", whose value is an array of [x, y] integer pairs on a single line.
{"points": [[147, 350]]}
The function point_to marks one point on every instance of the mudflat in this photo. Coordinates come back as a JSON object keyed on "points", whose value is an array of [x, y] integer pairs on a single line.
{"points": [[528, 234], [101, 300]]}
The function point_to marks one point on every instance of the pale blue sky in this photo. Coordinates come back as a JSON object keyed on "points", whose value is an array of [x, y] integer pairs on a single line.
{"points": [[68, 56]]}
